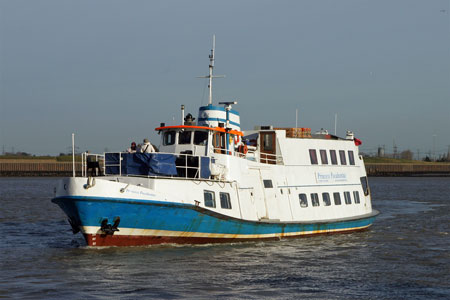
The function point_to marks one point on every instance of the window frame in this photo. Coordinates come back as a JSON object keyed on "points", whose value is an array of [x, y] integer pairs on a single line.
{"points": [[204, 142], [365, 185], [181, 134], [303, 202], [323, 156], [347, 200], [313, 157], [225, 198], [169, 133], [268, 183], [351, 158], [205, 192], [333, 157], [328, 201], [342, 157], [356, 197], [337, 200], [315, 199]]}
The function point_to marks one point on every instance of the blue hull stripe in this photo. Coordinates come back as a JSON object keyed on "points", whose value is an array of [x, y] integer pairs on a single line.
{"points": [[157, 215]]}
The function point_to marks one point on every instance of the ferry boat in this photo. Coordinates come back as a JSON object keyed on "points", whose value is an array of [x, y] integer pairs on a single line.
{"points": [[211, 182]]}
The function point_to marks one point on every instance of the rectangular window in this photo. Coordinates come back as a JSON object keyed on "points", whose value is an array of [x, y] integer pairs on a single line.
{"points": [[333, 157], [313, 156], [303, 200], [268, 141], [365, 185], [337, 198], [268, 183], [347, 198], [315, 199], [356, 196], [326, 199], [342, 156], [210, 198], [200, 138], [184, 137], [324, 157], [351, 158], [169, 138], [225, 201]]}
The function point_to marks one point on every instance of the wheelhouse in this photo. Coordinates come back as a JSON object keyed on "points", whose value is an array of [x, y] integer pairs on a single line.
{"points": [[199, 140]]}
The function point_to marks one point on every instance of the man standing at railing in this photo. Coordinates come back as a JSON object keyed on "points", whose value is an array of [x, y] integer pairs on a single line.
{"points": [[147, 147], [92, 164]]}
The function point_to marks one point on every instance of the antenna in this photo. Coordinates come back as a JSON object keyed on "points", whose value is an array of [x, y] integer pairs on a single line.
{"points": [[335, 123], [211, 67]]}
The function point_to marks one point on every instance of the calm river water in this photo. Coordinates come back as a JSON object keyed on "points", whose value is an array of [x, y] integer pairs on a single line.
{"points": [[405, 255]]}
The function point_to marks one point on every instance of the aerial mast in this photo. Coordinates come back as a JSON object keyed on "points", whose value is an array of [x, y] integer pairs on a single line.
{"points": [[211, 67]]}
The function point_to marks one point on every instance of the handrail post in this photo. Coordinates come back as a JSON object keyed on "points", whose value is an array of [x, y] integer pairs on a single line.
{"points": [[73, 154], [120, 163]]}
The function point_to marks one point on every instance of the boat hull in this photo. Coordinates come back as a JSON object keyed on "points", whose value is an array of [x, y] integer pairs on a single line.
{"points": [[144, 222]]}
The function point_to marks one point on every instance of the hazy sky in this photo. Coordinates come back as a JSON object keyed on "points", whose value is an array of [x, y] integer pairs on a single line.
{"points": [[111, 71]]}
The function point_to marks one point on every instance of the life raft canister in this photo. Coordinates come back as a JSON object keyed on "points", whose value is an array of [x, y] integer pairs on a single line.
{"points": [[243, 148]]}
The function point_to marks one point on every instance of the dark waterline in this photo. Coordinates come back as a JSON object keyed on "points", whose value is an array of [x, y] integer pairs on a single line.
{"points": [[405, 255]]}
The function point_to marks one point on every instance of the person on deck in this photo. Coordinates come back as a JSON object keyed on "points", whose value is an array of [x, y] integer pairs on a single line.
{"points": [[92, 164], [132, 149], [147, 147]]}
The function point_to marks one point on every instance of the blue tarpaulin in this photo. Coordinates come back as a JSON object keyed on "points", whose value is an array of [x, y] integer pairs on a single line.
{"points": [[156, 164], [205, 172], [141, 164]]}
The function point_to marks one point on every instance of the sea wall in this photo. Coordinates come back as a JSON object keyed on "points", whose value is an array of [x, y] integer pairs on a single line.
{"points": [[410, 169], [35, 168]]}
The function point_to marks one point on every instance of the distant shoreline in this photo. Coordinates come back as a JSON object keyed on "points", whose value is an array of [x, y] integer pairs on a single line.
{"points": [[47, 168]]}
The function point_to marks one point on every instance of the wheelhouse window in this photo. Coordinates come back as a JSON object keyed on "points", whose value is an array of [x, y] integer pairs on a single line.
{"points": [[210, 198], [324, 157], [315, 199], [337, 198], [351, 158], [342, 156], [347, 198], [184, 137], [225, 201], [356, 197], [326, 199], [200, 138], [313, 156], [303, 200], [169, 138], [333, 157]]}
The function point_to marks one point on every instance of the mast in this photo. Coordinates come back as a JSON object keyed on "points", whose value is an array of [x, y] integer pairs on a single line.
{"points": [[211, 67]]}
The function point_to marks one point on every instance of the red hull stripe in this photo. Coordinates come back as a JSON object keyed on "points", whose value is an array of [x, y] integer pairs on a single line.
{"points": [[98, 240]]}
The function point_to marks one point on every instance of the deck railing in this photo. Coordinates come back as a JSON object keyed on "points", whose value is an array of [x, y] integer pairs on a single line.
{"points": [[187, 165]]}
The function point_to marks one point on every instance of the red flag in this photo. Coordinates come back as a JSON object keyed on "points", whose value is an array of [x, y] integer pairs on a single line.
{"points": [[358, 142]]}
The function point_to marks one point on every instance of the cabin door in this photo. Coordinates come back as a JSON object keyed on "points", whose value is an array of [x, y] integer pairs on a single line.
{"points": [[219, 142], [268, 148], [270, 195]]}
